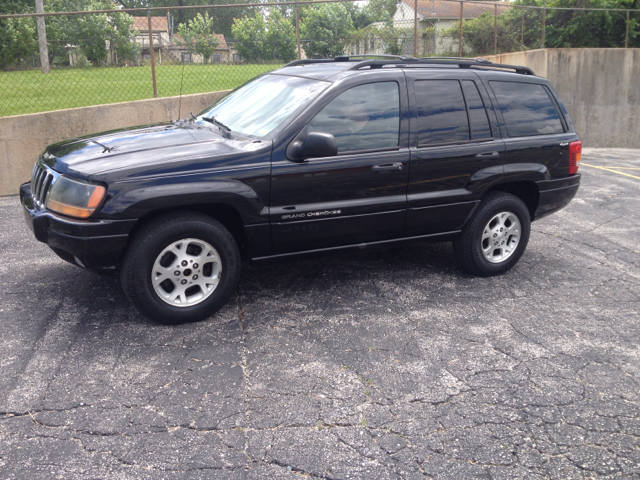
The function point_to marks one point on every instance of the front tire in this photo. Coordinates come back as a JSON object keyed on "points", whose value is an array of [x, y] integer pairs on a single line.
{"points": [[496, 236], [180, 268]]}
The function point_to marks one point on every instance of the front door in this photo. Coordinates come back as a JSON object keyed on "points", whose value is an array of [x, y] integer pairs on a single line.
{"points": [[360, 194]]}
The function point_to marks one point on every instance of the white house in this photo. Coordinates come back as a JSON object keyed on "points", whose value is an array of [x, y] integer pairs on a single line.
{"points": [[439, 14]]}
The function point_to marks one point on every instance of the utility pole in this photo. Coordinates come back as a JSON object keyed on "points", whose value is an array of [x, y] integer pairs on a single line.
{"points": [[42, 38]]}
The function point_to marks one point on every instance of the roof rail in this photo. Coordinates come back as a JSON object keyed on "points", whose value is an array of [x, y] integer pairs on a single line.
{"points": [[378, 61], [459, 62], [345, 58]]}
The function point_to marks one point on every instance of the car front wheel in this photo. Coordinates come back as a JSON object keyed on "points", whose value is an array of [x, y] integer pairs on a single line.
{"points": [[181, 268], [496, 236]]}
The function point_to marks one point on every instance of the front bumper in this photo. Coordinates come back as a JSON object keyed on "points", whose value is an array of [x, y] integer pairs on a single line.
{"points": [[89, 243], [556, 194]]}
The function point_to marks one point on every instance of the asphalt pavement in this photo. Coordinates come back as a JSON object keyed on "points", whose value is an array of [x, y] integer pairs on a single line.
{"points": [[379, 364]]}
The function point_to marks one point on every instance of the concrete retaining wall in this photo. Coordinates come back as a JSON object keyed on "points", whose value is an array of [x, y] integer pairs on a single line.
{"points": [[599, 86], [24, 137]]}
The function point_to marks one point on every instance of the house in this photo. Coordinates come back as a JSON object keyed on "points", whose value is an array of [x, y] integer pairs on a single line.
{"points": [[162, 37], [170, 46], [222, 54], [440, 16]]}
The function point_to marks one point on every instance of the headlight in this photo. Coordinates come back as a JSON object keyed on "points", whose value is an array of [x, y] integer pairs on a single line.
{"points": [[74, 198]]}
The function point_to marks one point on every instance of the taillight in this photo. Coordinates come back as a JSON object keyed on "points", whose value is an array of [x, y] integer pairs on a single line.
{"points": [[575, 152]]}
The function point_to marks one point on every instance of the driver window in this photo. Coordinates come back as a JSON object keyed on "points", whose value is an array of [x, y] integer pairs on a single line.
{"points": [[366, 117]]}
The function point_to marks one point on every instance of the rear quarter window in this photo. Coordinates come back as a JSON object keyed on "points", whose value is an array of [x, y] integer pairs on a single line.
{"points": [[527, 109]]}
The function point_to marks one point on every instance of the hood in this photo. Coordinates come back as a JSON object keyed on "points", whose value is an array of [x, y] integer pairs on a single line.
{"points": [[129, 148]]}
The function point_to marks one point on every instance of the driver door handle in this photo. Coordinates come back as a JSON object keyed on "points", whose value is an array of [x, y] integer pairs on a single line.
{"points": [[487, 156], [386, 167]]}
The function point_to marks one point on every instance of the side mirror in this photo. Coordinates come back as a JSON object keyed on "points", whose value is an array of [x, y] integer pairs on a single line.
{"points": [[312, 145]]}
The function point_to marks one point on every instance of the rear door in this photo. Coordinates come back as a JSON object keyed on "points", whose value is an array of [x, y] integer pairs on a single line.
{"points": [[536, 135], [360, 194], [456, 149]]}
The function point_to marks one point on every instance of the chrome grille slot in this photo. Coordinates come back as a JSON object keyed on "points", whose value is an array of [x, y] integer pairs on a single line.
{"points": [[41, 180], [45, 188]]}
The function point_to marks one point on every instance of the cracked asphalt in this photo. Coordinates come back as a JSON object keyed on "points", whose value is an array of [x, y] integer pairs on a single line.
{"points": [[380, 364]]}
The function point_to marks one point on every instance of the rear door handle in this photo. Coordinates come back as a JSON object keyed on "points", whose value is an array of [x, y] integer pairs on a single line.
{"points": [[487, 156], [387, 167]]}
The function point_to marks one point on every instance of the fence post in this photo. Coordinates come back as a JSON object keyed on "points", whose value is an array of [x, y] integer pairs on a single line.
{"points": [[153, 60], [495, 30], [522, 32], [461, 19], [298, 31], [626, 35], [42, 38], [415, 29], [544, 19]]}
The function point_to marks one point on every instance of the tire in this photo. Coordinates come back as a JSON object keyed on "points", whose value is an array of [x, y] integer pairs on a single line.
{"points": [[180, 268], [496, 236]]}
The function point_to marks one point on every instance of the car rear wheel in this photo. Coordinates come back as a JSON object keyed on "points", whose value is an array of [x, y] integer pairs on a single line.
{"points": [[496, 236], [181, 268]]}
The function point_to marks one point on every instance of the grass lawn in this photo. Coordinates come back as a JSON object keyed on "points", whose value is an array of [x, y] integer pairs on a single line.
{"points": [[30, 91]]}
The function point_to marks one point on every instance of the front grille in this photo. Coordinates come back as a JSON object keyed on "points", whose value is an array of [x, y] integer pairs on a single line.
{"points": [[41, 180]]}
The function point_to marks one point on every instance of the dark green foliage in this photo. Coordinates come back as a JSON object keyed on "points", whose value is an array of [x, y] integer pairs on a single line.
{"points": [[563, 28], [259, 40], [199, 37], [326, 27]]}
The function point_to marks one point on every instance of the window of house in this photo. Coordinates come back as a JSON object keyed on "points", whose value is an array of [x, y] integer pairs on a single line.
{"points": [[216, 58], [527, 109], [366, 117], [186, 57]]}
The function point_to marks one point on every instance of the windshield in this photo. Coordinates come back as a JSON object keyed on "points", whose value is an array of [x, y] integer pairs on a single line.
{"points": [[260, 106]]}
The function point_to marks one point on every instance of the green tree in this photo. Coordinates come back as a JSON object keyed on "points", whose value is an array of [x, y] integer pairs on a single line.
{"points": [[17, 35], [94, 34], [281, 37], [258, 39], [250, 37], [199, 37], [18, 41], [591, 29], [325, 29], [563, 28], [380, 11]]}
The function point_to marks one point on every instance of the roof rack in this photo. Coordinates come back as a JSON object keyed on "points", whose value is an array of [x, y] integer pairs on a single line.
{"points": [[379, 61], [344, 58]]}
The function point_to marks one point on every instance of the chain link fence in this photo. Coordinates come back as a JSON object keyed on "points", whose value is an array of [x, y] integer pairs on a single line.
{"points": [[117, 55]]}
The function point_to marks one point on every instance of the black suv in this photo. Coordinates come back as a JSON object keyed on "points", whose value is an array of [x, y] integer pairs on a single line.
{"points": [[318, 155]]}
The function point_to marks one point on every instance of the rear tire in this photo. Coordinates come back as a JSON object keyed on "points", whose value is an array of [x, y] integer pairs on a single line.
{"points": [[496, 236], [181, 267]]}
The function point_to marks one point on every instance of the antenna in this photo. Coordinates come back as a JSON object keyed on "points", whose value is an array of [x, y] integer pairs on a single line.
{"points": [[180, 101]]}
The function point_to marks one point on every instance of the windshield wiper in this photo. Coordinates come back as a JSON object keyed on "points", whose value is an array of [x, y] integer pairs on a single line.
{"points": [[218, 124]]}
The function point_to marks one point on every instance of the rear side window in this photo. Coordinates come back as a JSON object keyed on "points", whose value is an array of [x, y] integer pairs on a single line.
{"points": [[527, 109], [477, 113], [366, 117], [443, 115]]}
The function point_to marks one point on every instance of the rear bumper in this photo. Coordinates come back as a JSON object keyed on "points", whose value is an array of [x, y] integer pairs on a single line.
{"points": [[88, 243], [556, 194]]}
